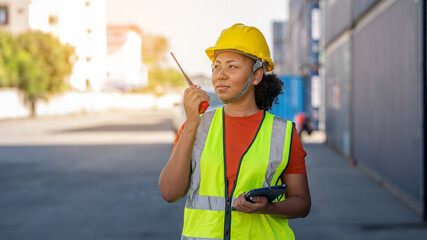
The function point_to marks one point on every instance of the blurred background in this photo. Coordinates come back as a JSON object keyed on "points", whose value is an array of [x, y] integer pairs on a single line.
{"points": [[90, 101]]}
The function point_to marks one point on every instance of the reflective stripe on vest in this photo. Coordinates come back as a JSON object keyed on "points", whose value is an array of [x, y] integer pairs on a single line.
{"points": [[207, 215]]}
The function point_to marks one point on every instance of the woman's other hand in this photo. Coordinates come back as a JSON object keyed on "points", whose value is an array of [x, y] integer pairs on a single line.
{"points": [[259, 204]]}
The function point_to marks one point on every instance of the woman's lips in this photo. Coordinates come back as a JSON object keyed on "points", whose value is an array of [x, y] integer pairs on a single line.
{"points": [[221, 87]]}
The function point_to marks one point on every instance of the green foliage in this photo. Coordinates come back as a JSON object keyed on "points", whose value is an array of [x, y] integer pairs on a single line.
{"points": [[51, 58], [3, 73], [161, 79], [166, 77], [154, 49], [33, 75], [36, 62], [8, 62]]}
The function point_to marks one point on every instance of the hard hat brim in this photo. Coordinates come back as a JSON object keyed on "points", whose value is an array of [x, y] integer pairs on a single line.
{"points": [[211, 54]]}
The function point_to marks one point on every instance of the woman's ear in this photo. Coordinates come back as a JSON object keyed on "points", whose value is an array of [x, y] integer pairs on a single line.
{"points": [[258, 74]]}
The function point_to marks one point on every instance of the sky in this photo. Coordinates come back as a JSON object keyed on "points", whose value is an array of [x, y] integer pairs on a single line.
{"points": [[191, 26]]}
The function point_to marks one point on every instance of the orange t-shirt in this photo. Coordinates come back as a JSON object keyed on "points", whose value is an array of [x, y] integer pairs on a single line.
{"points": [[239, 133]]}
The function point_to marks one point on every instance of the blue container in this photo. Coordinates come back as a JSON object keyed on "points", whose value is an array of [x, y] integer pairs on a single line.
{"points": [[292, 100]]}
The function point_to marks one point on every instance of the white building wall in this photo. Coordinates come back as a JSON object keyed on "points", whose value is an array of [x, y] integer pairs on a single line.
{"points": [[125, 66], [17, 16], [84, 26], [113, 61], [81, 23], [132, 62]]}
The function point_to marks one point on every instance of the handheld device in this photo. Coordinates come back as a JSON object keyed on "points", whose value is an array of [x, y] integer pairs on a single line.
{"points": [[204, 105], [270, 192]]}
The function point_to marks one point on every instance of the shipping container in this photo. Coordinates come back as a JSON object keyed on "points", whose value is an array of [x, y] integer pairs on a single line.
{"points": [[338, 91], [292, 100], [388, 90], [360, 7], [313, 80], [337, 18], [302, 52], [279, 33], [424, 32], [298, 42]]}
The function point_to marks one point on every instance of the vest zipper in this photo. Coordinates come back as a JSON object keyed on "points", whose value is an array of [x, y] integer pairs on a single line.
{"points": [[228, 207], [227, 222]]}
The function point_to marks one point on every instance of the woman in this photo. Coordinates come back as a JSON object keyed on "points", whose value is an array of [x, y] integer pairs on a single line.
{"points": [[224, 153]]}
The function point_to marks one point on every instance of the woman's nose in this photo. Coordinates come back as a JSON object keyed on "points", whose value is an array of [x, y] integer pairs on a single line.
{"points": [[222, 74]]}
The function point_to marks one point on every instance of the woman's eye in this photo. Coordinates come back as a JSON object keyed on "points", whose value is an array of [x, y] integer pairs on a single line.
{"points": [[215, 67], [232, 66]]}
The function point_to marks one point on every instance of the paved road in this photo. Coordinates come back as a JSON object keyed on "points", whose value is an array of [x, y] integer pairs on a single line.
{"points": [[86, 177], [95, 177]]}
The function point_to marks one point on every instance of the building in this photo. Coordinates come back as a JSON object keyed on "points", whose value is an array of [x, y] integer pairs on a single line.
{"points": [[14, 15], [81, 23], [125, 69]]}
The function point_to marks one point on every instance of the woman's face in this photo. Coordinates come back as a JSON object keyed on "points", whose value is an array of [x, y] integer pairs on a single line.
{"points": [[230, 71]]}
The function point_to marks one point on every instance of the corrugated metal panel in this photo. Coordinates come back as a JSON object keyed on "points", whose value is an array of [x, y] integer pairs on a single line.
{"points": [[295, 8], [291, 101], [361, 6], [387, 88], [279, 31], [337, 92], [304, 39], [425, 104], [337, 18], [298, 45]]}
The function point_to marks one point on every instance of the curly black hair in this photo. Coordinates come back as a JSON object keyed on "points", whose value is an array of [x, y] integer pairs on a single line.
{"points": [[267, 91]]}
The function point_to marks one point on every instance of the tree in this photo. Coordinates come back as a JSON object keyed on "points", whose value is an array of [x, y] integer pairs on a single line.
{"points": [[166, 78], [153, 50], [44, 66], [55, 57], [33, 78], [35, 62], [8, 62]]}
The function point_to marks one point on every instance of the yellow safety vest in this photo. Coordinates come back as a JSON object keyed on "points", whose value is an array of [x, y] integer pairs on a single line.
{"points": [[208, 211]]}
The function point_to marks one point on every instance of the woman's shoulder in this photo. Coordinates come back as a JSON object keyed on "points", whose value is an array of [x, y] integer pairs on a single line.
{"points": [[279, 119], [208, 115]]}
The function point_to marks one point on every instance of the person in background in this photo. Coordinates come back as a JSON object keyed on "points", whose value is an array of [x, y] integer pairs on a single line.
{"points": [[302, 123], [221, 155]]}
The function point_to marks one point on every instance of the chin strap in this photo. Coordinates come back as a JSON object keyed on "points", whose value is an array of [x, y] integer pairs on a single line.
{"points": [[257, 65]]}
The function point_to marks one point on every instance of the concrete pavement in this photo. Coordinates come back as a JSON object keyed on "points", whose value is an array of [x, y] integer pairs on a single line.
{"points": [[347, 204]]}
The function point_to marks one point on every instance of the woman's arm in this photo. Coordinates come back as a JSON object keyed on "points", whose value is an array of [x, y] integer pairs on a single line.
{"points": [[298, 200], [174, 179], [297, 203]]}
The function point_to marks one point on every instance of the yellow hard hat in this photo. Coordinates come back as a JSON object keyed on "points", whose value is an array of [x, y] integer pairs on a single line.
{"points": [[246, 39]]}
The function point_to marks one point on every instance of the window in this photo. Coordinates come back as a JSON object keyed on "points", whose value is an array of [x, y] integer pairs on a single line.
{"points": [[20, 10], [3, 15], [53, 20]]}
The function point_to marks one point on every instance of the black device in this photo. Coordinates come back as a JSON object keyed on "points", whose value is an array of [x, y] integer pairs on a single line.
{"points": [[270, 192]]}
